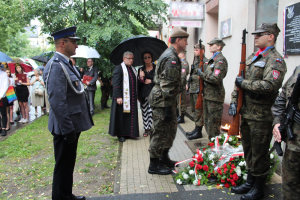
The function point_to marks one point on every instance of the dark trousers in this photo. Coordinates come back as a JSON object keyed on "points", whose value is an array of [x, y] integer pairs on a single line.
{"points": [[65, 157], [105, 90], [91, 99], [3, 112]]}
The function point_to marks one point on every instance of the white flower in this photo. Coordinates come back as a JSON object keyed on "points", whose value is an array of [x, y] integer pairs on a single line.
{"points": [[271, 156], [226, 144], [245, 177], [191, 172], [219, 137], [195, 182], [183, 173], [188, 167], [242, 163], [211, 156], [230, 139], [225, 135], [196, 156], [185, 176], [212, 139], [179, 182], [238, 171], [199, 177]]}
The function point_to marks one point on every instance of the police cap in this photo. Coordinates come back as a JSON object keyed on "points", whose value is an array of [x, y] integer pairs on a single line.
{"points": [[66, 33], [217, 41], [268, 27], [180, 34]]}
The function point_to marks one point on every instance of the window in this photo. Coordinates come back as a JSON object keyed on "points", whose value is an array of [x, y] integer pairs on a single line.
{"points": [[266, 11]]}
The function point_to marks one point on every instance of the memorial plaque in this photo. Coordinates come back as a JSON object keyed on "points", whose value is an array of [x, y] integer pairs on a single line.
{"points": [[292, 30]]}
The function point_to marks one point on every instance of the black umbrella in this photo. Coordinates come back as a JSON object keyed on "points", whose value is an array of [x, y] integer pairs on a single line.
{"points": [[137, 45], [42, 59]]}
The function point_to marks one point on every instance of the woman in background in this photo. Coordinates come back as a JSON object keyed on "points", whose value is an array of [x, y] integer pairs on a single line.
{"points": [[10, 106], [37, 91]]}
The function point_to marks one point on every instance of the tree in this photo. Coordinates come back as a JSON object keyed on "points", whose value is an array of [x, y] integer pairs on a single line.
{"points": [[101, 24]]}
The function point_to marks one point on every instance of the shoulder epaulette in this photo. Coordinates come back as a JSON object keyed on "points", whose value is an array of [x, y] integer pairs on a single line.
{"points": [[56, 59]]}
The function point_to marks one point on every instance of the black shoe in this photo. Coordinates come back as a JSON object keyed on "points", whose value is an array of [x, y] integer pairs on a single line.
{"points": [[156, 168], [3, 132], [78, 197], [197, 134], [180, 119], [165, 160], [257, 192], [245, 187], [191, 133], [102, 106], [106, 106], [122, 139]]}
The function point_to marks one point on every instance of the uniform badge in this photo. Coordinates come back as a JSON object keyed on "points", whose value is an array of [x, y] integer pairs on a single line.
{"points": [[173, 62], [76, 83], [276, 74], [220, 62], [217, 71], [182, 70], [278, 60]]}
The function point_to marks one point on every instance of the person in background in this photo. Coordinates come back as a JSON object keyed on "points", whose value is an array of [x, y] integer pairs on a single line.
{"points": [[91, 85], [4, 83], [10, 106], [81, 72], [22, 94], [105, 89], [145, 85], [37, 84], [73, 60]]}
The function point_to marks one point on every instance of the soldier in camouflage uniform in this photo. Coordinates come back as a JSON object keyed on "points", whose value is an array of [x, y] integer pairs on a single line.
{"points": [[213, 92], [291, 158], [265, 72], [185, 70], [195, 89], [162, 100]]}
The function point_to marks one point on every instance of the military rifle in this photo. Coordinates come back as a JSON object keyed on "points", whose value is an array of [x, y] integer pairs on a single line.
{"points": [[235, 125], [199, 104], [190, 79], [291, 114]]}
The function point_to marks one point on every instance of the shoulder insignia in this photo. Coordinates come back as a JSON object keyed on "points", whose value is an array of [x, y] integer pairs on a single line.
{"points": [[56, 59], [276, 74], [278, 60], [217, 71], [215, 58], [173, 62], [220, 62]]}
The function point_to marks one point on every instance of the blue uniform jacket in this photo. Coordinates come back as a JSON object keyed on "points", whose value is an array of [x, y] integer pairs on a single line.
{"points": [[69, 111]]}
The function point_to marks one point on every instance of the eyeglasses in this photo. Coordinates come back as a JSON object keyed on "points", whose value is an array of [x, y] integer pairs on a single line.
{"points": [[261, 34], [147, 57], [129, 58], [89, 61]]}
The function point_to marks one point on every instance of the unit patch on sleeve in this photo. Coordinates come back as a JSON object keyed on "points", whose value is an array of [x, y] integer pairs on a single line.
{"points": [[217, 71], [220, 62], [276, 74], [278, 60], [173, 62], [182, 70]]}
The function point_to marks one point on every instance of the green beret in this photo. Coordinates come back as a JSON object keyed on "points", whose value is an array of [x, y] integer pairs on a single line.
{"points": [[180, 34], [268, 27], [217, 41]]}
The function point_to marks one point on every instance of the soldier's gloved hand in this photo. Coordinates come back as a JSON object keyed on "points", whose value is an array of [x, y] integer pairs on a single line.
{"points": [[240, 79], [232, 109], [199, 72], [168, 114], [70, 137]]}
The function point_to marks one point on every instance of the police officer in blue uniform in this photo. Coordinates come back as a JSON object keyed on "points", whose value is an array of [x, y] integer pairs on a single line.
{"points": [[69, 113]]}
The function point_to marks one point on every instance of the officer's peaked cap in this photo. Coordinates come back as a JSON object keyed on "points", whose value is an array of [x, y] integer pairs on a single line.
{"points": [[66, 33]]}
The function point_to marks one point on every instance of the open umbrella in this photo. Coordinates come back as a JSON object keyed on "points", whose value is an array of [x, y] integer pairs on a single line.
{"points": [[137, 45], [4, 57], [86, 52], [27, 68], [42, 59]]}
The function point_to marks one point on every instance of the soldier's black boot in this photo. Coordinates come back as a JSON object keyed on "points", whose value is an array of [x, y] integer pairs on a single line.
{"points": [[165, 159], [197, 134], [156, 168], [191, 133], [257, 192], [180, 119], [102, 106], [245, 187]]}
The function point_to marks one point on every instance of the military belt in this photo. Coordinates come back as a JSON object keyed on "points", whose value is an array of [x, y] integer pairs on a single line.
{"points": [[257, 96]]}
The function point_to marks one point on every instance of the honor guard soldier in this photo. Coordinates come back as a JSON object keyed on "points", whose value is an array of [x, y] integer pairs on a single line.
{"points": [[162, 100], [69, 113], [265, 70], [291, 157], [194, 90], [185, 70], [215, 70]]}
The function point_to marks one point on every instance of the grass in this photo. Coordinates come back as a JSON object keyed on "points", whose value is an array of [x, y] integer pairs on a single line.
{"points": [[27, 161]]}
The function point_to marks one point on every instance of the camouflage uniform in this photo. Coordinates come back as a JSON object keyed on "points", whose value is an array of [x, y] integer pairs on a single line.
{"points": [[167, 85], [291, 158], [194, 90], [263, 78], [215, 70], [185, 71]]}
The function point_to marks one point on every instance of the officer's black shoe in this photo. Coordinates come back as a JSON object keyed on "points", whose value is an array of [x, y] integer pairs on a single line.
{"points": [[106, 106], [102, 106], [245, 187], [180, 119], [78, 197], [197, 134], [156, 168], [122, 139], [191, 133], [165, 160], [257, 192], [3, 132]]}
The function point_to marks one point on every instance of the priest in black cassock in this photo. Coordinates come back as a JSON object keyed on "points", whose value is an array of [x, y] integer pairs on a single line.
{"points": [[124, 113]]}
